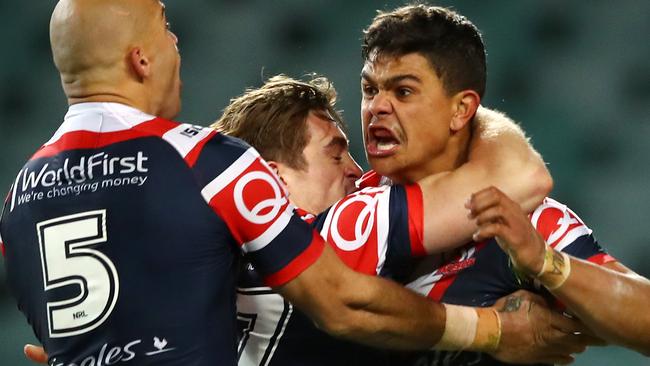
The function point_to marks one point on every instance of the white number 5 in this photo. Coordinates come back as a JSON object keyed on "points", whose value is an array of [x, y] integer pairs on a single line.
{"points": [[67, 260]]}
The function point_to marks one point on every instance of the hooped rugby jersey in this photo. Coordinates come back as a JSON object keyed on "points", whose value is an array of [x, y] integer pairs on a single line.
{"points": [[374, 231], [478, 274], [123, 234]]}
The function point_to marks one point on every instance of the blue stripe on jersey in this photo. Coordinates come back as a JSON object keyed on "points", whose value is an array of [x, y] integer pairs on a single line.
{"points": [[284, 248], [399, 255], [217, 155], [584, 247]]}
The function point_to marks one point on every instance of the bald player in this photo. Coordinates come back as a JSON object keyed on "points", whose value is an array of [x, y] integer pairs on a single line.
{"points": [[121, 234]]}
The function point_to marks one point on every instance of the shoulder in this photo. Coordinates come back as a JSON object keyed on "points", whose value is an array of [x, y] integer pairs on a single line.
{"points": [[557, 223]]}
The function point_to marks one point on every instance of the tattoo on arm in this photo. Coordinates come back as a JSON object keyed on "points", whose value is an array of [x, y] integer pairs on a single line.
{"points": [[513, 303], [558, 263]]}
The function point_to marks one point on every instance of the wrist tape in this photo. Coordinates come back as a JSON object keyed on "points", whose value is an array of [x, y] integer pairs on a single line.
{"points": [[556, 269], [473, 329]]}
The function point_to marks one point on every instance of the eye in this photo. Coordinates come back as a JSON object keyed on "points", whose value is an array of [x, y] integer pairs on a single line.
{"points": [[404, 92], [368, 90], [337, 158], [168, 25]]}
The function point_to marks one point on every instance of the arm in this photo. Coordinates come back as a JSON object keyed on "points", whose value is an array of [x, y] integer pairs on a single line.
{"points": [[499, 155], [612, 301], [383, 314], [624, 319]]}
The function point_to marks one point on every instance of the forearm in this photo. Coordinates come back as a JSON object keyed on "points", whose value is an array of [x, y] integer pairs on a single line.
{"points": [[401, 319], [611, 303], [381, 313]]}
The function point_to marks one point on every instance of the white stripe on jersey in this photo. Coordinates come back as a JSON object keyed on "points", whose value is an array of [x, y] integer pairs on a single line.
{"points": [[185, 137], [424, 284], [14, 188], [571, 236], [383, 219], [99, 117], [269, 328], [276, 228], [228, 175]]}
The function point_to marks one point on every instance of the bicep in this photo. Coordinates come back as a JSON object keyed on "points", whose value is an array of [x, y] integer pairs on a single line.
{"points": [[446, 225]]}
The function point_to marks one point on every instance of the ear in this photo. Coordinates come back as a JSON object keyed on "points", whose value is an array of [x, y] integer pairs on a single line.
{"points": [[278, 169], [466, 103], [140, 63]]}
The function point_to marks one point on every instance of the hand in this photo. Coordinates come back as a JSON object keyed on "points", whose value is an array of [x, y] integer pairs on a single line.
{"points": [[35, 354], [532, 333], [498, 216]]}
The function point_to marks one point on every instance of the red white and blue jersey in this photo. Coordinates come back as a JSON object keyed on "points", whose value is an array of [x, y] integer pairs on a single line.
{"points": [[480, 273], [123, 234], [374, 231]]}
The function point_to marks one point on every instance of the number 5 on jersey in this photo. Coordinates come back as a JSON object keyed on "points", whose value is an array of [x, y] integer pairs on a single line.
{"points": [[68, 260]]}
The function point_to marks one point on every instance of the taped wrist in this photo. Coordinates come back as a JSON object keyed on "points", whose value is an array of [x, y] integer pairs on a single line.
{"points": [[472, 329], [556, 269]]}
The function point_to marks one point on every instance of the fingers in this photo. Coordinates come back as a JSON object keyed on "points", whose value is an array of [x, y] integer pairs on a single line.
{"points": [[35, 353], [566, 325], [493, 212], [486, 198], [491, 230]]}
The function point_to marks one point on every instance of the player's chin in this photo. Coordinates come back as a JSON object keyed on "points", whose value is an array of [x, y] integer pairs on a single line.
{"points": [[383, 165]]}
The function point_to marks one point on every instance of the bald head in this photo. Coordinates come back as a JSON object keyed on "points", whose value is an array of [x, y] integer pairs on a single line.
{"points": [[91, 38], [117, 51]]}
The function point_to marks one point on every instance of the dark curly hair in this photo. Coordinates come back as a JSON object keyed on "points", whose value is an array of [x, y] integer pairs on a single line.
{"points": [[450, 42]]}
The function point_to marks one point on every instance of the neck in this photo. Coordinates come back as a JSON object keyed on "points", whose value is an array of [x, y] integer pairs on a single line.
{"points": [[124, 92]]}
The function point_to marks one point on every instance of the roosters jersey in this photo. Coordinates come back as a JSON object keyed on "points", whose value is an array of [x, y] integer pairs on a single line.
{"points": [[480, 273], [372, 231], [122, 237]]}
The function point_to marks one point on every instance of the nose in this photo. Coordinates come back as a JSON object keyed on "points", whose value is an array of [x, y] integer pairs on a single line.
{"points": [[174, 39], [352, 170], [380, 104]]}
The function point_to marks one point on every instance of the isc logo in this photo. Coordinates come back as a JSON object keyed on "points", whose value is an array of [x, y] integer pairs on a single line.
{"points": [[191, 131]]}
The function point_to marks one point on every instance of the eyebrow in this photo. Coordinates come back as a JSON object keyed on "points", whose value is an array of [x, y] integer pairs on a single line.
{"points": [[392, 80], [338, 142]]}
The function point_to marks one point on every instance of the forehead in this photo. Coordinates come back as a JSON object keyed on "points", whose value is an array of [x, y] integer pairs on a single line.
{"points": [[321, 128], [383, 66]]}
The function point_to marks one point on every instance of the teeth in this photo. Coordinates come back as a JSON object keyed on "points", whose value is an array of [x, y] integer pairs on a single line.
{"points": [[385, 145]]}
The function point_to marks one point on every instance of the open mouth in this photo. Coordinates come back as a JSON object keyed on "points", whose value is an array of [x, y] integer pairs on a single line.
{"points": [[381, 142]]}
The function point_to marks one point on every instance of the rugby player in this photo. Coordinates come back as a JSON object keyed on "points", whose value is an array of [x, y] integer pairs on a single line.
{"points": [[297, 130], [135, 222], [423, 78]]}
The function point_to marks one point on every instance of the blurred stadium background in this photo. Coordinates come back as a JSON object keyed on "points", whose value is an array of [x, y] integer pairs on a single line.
{"points": [[575, 74]]}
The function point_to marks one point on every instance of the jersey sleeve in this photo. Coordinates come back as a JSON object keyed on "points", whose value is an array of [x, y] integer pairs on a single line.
{"points": [[247, 195], [563, 230], [374, 227]]}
